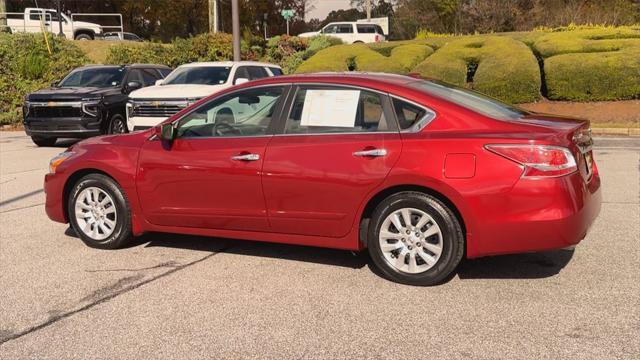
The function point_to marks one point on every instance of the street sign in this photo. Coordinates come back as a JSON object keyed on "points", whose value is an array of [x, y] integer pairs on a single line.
{"points": [[287, 14]]}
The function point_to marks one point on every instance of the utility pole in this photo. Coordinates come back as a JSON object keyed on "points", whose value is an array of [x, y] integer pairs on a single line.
{"points": [[368, 10], [60, 32], [3, 16], [235, 25], [213, 16]]}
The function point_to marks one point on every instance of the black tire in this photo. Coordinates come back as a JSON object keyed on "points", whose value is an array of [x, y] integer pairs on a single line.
{"points": [[453, 241], [44, 141], [122, 230], [83, 37], [117, 125]]}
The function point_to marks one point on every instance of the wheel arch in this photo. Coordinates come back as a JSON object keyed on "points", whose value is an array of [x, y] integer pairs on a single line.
{"points": [[73, 179], [385, 193], [83, 31]]}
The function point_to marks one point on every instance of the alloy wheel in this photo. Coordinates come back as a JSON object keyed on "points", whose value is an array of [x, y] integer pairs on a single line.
{"points": [[95, 213]]}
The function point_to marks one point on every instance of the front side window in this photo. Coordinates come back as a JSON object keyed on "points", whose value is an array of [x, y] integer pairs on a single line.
{"points": [[317, 111], [245, 113], [201, 75], [94, 77], [256, 72], [331, 29], [276, 71]]}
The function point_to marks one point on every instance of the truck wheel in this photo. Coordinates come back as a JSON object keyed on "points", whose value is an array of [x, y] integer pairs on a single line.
{"points": [[83, 37], [43, 141], [117, 125]]}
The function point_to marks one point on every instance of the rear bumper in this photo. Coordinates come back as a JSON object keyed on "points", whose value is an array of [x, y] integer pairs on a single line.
{"points": [[62, 127], [538, 215]]}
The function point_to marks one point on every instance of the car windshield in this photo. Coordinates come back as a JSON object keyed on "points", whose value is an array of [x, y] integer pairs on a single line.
{"points": [[470, 99], [204, 75], [94, 77]]}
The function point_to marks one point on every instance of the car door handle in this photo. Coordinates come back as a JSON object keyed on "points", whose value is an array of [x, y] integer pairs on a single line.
{"points": [[246, 157], [371, 153]]}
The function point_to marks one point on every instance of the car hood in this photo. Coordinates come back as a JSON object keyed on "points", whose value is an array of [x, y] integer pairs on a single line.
{"points": [[84, 24], [71, 93], [309, 34], [176, 91]]}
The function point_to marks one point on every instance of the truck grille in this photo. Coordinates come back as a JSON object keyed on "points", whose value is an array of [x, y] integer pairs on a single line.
{"points": [[54, 111], [157, 109]]}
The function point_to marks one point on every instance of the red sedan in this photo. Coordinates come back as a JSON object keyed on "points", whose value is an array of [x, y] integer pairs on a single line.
{"points": [[418, 172]]}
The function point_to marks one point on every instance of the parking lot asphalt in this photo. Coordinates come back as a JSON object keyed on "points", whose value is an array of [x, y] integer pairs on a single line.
{"points": [[171, 296]]}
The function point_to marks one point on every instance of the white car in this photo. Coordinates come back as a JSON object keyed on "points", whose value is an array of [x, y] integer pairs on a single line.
{"points": [[149, 106], [350, 32], [31, 21]]}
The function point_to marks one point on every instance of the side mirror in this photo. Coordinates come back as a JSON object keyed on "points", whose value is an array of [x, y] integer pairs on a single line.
{"points": [[54, 83], [240, 81], [167, 132], [133, 85], [158, 82]]}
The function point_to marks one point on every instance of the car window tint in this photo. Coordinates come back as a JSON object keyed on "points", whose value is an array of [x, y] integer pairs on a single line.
{"points": [[345, 29], [135, 75], [379, 29], [276, 71], [408, 114], [36, 15], [149, 77], [257, 72], [336, 111], [246, 113], [366, 29], [164, 72], [332, 29]]}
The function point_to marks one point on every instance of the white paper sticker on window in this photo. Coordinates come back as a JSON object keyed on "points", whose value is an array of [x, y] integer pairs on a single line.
{"points": [[335, 108]]}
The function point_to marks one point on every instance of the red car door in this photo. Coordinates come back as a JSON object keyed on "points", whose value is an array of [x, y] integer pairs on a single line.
{"points": [[210, 176], [338, 145]]}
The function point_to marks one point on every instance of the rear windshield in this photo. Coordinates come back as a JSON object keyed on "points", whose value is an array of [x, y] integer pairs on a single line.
{"points": [[202, 75], [469, 99], [94, 77]]}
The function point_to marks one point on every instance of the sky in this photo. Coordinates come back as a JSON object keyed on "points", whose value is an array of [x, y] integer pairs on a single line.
{"points": [[323, 7]]}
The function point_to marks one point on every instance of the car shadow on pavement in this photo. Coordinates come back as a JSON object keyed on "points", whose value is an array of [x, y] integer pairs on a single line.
{"points": [[518, 266]]}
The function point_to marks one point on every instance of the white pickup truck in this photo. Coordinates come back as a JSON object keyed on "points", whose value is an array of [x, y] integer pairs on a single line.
{"points": [[350, 32], [31, 21], [149, 106]]}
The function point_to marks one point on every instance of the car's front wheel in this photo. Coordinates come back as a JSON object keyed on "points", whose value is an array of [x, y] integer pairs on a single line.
{"points": [[415, 239], [99, 212], [117, 125]]}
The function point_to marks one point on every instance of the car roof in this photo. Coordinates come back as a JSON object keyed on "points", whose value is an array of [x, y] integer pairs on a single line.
{"points": [[351, 77], [126, 66], [229, 63]]}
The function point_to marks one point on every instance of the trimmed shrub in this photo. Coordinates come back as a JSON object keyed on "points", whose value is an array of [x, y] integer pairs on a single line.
{"points": [[360, 57], [591, 64], [495, 65], [26, 66]]}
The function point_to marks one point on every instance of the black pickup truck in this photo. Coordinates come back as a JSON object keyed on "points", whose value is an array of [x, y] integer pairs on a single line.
{"points": [[90, 101]]}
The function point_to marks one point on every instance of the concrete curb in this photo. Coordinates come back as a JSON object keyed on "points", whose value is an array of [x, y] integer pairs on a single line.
{"points": [[616, 131]]}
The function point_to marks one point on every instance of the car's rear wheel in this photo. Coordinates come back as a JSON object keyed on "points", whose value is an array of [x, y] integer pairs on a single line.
{"points": [[44, 141], [117, 125], [99, 212], [415, 239]]}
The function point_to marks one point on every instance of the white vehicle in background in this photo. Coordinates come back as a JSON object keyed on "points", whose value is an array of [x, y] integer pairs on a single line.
{"points": [[30, 21], [187, 84], [351, 32]]}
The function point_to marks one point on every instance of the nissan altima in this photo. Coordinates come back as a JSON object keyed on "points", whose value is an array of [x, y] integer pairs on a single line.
{"points": [[417, 172]]}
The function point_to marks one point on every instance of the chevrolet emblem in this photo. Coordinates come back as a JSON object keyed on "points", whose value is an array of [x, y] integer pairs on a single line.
{"points": [[52, 103], [156, 103]]}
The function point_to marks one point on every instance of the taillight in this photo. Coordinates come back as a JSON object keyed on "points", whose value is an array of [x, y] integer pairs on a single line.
{"points": [[538, 160], [377, 38]]}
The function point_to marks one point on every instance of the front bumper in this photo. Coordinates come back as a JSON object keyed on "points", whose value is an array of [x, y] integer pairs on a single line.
{"points": [[54, 203], [62, 127], [143, 122]]}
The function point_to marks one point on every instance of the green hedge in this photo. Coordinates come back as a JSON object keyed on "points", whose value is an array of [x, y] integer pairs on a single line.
{"points": [[27, 66], [506, 68], [591, 64], [361, 57]]}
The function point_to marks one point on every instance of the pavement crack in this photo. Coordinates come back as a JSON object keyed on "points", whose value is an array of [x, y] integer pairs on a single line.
{"points": [[121, 287], [168, 264], [21, 208]]}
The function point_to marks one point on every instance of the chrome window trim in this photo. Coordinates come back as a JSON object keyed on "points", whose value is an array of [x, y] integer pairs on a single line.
{"points": [[420, 124]]}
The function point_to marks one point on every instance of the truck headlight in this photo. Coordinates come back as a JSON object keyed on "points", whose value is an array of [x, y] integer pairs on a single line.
{"points": [[129, 107], [91, 108]]}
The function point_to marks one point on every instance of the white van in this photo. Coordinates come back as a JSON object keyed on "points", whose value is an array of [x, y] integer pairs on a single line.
{"points": [[351, 32]]}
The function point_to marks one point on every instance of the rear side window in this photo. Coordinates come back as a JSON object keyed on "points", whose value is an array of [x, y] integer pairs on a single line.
{"points": [[345, 29], [366, 29], [275, 71], [409, 115], [257, 72], [319, 111]]}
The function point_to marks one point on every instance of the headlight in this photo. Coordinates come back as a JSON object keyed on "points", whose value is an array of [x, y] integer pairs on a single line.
{"points": [[57, 160], [91, 107], [129, 107]]}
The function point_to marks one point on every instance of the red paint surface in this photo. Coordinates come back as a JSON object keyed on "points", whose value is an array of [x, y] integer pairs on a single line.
{"points": [[310, 190]]}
